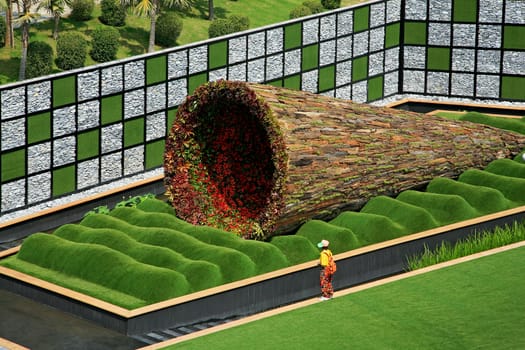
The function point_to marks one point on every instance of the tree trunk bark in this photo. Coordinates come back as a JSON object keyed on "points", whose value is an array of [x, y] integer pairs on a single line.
{"points": [[153, 22], [9, 38], [338, 154], [23, 58], [211, 11]]}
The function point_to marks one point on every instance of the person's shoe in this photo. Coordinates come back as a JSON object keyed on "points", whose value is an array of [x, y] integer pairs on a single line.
{"points": [[324, 298]]}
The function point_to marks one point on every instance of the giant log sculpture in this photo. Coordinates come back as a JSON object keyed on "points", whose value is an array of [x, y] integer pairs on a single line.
{"points": [[260, 160]]}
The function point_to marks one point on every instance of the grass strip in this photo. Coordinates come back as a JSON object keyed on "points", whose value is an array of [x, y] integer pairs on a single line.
{"points": [[473, 305]]}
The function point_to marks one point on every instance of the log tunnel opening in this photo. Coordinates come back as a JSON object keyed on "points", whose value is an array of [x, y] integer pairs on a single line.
{"points": [[224, 160]]}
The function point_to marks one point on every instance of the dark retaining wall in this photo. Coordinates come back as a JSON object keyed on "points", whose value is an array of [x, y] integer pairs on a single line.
{"points": [[354, 268]]}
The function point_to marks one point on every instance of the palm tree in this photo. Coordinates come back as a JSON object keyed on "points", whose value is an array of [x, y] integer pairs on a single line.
{"points": [[24, 20], [56, 8], [152, 9], [211, 12]]}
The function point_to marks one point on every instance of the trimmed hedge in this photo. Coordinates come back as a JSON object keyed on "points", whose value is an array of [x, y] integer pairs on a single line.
{"points": [[512, 188], [298, 249], [512, 124], [266, 257], [104, 44], [104, 266], [199, 274], [168, 29], [39, 59], [71, 50], [445, 208], [506, 167], [341, 239], [233, 264]]}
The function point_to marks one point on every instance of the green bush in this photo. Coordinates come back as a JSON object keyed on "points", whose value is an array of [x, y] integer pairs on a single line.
{"points": [[231, 24], [3, 31], [152, 205], [298, 249], [512, 188], [300, 11], [314, 6], [341, 239], [104, 44], [168, 29], [104, 266], [507, 167], [331, 4], [445, 208], [413, 218], [369, 228], [39, 59], [199, 274], [81, 10], [233, 264], [113, 13], [71, 50]]}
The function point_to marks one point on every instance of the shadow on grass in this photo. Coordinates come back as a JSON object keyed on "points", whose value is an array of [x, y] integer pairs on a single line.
{"points": [[201, 6]]}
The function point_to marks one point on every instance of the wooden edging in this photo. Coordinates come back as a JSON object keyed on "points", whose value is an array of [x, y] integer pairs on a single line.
{"points": [[9, 345], [125, 313], [454, 103], [81, 201], [337, 294], [436, 111]]}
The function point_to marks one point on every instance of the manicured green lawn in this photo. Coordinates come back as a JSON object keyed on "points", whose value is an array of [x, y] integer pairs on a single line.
{"points": [[474, 305]]}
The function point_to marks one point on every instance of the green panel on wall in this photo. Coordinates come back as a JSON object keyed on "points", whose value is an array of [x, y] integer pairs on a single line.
{"points": [[465, 11], [293, 82], [292, 36], [154, 154], [360, 68], [392, 35], [375, 88], [38, 127], [13, 165], [195, 81], [327, 78], [64, 180], [310, 57], [278, 83], [172, 114], [415, 33], [513, 87], [218, 54], [156, 70], [514, 37], [64, 91], [133, 132], [361, 22], [88, 144], [111, 109], [438, 58]]}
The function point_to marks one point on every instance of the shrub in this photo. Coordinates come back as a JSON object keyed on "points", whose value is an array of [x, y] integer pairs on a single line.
{"points": [[81, 10], [341, 239], [224, 26], [300, 11], [298, 249], [511, 187], [71, 50], [507, 167], [113, 13], [104, 44], [314, 6], [39, 59], [168, 29], [3, 31], [331, 4]]}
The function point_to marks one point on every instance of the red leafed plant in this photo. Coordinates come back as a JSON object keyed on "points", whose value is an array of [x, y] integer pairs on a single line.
{"points": [[225, 160]]}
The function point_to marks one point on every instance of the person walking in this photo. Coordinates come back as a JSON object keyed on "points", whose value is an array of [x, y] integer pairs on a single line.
{"points": [[327, 264]]}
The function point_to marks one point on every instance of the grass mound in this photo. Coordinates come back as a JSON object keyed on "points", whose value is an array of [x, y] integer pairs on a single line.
{"points": [[506, 167], [512, 188], [233, 264], [153, 205], [369, 228], [341, 239], [485, 200], [444, 208], [104, 266], [199, 274], [298, 249], [413, 218], [512, 124], [265, 256]]}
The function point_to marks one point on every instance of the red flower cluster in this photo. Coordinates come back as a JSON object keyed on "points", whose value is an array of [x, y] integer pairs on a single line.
{"points": [[224, 160]]}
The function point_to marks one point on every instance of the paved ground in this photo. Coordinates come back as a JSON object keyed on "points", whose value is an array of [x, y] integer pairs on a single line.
{"points": [[40, 327]]}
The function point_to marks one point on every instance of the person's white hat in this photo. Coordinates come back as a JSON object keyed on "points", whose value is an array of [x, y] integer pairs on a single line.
{"points": [[323, 244]]}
